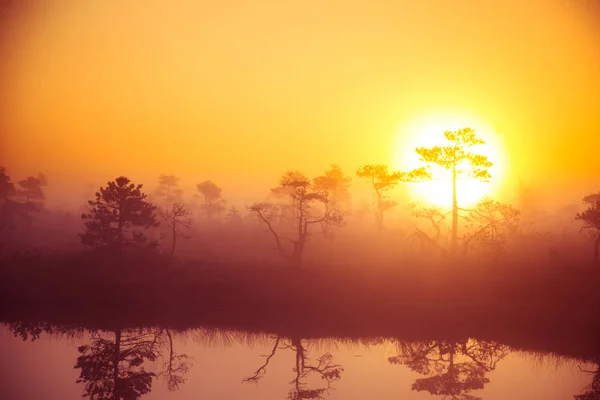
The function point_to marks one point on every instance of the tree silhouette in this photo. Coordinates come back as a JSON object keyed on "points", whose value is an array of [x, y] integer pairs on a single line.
{"points": [[7, 188], [435, 216], [178, 219], [591, 220], [337, 185], [11, 211], [112, 364], [114, 218], [311, 206], [382, 181], [220, 207], [32, 330], [323, 367], [31, 191], [592, 391], [168, 190], [233, 216], [7, 205], [455, 368], [212, 197], [283, 212], [461, 163], [175, 365], [113, 368], [491, 222]]}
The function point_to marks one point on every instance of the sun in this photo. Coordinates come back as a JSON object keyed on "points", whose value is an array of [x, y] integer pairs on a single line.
{"points": [[428, 131]]}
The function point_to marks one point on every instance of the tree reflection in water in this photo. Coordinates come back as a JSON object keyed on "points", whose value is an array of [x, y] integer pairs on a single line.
{"points": [[304, 369], [453, 369], [592, 392], [111, 366]]}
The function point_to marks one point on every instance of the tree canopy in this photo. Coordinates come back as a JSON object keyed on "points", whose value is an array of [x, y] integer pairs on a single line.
{"points": [[116, 216], [462, 163]]}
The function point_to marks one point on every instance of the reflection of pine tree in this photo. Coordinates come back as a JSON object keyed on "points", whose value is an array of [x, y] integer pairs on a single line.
{"points": [[322, 367], [113, 368], [112, 364], [456, 368]]}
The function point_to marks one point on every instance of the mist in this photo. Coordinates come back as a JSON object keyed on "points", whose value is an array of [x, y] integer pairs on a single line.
{"points": [[415, 180]]}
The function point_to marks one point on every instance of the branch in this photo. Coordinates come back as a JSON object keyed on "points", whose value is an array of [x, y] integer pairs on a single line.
{"points": [[585, 227], [429, 239], [262, 370], [257, 209], [585, 370], [492, 223]]}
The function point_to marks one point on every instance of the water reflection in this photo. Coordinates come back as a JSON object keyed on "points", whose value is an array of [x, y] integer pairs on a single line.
{"points": [[112, 364], [452, 369], [305, 369], [123, 363], [592, 392]]}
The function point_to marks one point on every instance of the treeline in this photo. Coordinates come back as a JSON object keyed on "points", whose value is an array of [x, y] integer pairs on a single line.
{"points": [[122, 217]]}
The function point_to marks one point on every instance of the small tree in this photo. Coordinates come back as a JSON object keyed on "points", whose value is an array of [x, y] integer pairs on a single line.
{"points": [[435, 216], [233, 216], [591, 220], [177, 218], [382, 181], [212, 197], [461, 163], [283, 208], [114, 218], [220, 207], [11, 211], [491, 223], [32, 191], [7, 188], [311, 207], [337, 185], [168, 190]]}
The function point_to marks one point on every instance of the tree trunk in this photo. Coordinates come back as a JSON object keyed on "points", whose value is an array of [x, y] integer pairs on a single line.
{"points": [[120, 226], [174, 241], [299, 244], [299, 247], [597, 249], [116, 363], [454, 211], [379, 213]]}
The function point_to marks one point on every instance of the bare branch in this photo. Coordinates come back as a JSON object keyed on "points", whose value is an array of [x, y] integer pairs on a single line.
{"points": [[262, 370]]}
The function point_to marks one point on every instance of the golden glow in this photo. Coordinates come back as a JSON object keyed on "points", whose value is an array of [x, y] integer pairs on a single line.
{"points": [[239, 92], [428, 131]]}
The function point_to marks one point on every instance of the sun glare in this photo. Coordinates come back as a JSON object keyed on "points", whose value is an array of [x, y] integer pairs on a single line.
{"points": [[428, 131]]}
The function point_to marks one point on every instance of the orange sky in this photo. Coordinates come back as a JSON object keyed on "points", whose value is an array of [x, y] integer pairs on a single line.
{"points": [[240, 91]]}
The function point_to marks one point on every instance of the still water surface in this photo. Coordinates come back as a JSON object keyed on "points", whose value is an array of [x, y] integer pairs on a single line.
{"points": [[195, 364]]}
